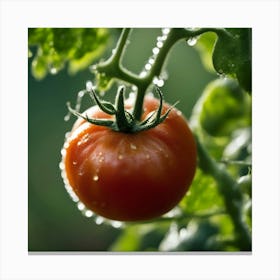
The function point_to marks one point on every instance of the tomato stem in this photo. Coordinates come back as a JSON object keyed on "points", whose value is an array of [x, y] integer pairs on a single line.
{"points": [[114, 69]]}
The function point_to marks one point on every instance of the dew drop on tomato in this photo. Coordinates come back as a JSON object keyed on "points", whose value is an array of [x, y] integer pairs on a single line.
{"points": [[95, 178]]}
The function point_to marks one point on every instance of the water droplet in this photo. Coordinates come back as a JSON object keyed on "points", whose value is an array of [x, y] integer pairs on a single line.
{"points": [[159, 39], [74, 162], [81, 93], [81, 206], [179, 113], [93, 67], [159, 44], [133, 147], [95, 178], [148, 156], [158, 82], [99, 220], [83, 140], [81, 173], [148, 66], [165, 31], [67, 134], [151, 61], [53, 70], [143, 74], [88, 213], [155, 50], [113, 51], [63, 152], [120, 156], [192, 41], [61, 166], [67, 117], [164, 37], [66, 145], [116, 224], [89, 85]]}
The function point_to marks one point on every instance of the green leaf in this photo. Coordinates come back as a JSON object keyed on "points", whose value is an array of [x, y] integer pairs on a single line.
{"points": [[205, 44], [202, 196], [129, 240], [224, 107], [140, 237], [39, 67], [229, 53], [58, 47], [232, 55]]}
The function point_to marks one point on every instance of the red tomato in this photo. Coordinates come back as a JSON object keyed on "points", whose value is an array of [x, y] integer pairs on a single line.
{"points": [[130, 176]]}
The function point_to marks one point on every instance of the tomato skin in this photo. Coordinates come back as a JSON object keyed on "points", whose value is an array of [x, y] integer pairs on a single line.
{"points": [[131, 176]]}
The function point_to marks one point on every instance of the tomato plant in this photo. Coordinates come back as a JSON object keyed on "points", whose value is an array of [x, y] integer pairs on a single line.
{"points": [[138, 159]]}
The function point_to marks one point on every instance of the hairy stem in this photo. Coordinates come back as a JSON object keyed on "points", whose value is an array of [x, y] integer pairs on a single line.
{"points": [[230, 192]]}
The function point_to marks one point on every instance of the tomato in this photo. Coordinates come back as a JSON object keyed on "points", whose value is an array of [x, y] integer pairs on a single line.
{"points": [[130, 176]]}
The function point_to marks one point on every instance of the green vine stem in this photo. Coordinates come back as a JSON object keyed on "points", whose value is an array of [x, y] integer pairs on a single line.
{"points": [[113, 67], [231, 193]]}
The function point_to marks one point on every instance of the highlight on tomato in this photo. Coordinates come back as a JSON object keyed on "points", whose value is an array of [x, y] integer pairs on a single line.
{"points": [[126, 169]]}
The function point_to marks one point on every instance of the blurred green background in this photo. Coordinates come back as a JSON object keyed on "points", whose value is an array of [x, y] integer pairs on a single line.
{"points": [[54, 222]]}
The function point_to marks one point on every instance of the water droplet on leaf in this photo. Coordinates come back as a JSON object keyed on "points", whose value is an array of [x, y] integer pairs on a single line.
{"points": [[192, 41]]}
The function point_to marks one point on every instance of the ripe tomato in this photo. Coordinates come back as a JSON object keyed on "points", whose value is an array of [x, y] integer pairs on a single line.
{"points": [[130, 176]]}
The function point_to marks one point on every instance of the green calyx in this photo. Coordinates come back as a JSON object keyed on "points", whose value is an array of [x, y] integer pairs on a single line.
{"points": [[124, 121]]}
